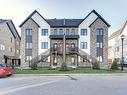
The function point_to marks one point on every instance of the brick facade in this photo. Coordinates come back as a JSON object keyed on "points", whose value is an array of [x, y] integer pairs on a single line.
{"points": [[29, 24], [93, 50]]}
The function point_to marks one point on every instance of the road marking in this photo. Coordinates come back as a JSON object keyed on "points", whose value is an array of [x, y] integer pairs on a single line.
{"points": [[2, 92]]}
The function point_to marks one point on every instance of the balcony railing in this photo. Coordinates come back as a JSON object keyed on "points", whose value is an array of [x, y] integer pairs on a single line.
{"points": [[59, 50], [66, 36]]}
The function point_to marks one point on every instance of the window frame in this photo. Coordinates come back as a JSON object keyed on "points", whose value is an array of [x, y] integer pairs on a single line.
{"points": [[84, 45], [73, 31], [61, 31], [28, 45], [100, 31], [99, 44], [44, 32], [84, 32], [44, 45], [29, 31]]}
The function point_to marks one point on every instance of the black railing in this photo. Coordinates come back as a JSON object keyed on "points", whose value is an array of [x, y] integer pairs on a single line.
{"points": [[71, 50]]}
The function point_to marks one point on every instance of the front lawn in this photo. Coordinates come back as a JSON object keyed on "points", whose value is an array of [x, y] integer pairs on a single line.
{"points": [[69, 71]]}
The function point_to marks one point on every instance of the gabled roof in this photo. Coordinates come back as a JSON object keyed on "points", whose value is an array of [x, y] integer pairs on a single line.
{"points": [[64, 22], [99, 16], [12, 28], [115, 34], [30, 17], [118, 32]]}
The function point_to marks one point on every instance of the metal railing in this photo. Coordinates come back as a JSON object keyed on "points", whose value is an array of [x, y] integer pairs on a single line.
{"points": [[43, 56]]}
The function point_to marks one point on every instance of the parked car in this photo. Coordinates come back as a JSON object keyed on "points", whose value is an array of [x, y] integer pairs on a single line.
{"points": [[5, 70]]}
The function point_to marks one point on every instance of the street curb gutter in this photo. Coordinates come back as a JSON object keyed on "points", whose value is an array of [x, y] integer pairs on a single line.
{"points": [[118, 74]]}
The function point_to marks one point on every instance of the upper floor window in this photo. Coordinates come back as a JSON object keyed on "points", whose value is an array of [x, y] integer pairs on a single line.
{"points": [[17, 43], [61, 32], [99, 31], [83, 32], [11, 49], [73, 32], [17, 51], [29, 45], [99, 44], [67, 31], [55, 32], [44, 45], [11, 40], [83, 45], [28, 32], [2, 47], [117, 49], [44, 32]]}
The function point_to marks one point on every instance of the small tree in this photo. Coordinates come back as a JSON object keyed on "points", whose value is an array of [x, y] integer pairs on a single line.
{"points": [[114, 65], [96, 65]]}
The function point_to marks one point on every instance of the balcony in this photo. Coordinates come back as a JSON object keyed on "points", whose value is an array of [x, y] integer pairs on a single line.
{"points": [[66, 36], [59, 50]]}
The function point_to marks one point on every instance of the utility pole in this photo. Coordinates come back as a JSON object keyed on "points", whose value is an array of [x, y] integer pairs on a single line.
{"points": [[64, 67]]}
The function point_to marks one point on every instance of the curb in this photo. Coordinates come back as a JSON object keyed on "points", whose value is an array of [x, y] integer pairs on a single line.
{"points": [[117, 74]]}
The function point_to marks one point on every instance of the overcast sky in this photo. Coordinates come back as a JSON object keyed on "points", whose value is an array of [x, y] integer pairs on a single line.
{"points": [[113, 11]]}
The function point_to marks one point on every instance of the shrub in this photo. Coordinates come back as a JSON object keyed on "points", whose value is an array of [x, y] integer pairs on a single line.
{"points": [[114, 65], [33, 66], [96, 65]]}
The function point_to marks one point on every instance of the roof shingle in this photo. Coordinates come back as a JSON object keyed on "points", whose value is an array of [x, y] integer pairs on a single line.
{"points": [[64, 22]]}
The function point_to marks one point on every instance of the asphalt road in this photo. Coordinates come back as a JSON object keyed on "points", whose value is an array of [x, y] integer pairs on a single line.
{"points": [[64, 85]]}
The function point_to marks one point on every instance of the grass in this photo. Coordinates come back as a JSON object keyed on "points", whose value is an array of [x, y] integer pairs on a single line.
{"points": [[69, 71]]}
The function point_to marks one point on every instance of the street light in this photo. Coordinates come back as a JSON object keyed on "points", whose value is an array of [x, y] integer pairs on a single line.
{"points": [[122, 38]]}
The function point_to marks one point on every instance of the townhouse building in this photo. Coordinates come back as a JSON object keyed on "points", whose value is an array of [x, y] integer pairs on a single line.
{"points": [[81, 40], [9, 43], [115, 44]]}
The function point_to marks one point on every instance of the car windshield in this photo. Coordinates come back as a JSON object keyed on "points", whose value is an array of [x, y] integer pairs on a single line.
{"points": [[3, 65]]}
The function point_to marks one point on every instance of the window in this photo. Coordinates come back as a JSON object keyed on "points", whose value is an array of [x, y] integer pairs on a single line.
{"points": [[117, 49], [11, 40], [29, 45], [73, 32], [99, 44], [17, 51], [83, 32], [2, 47], [100, 58], [44, 32], [99, 31], [55, 32], [11, 49], [83, 45], [28, 32], [17, 43], [28, 58], [67, 31], [61, 32], [44, 45]]}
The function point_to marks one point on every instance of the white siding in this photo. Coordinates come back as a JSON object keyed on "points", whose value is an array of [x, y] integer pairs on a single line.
{"points": [[43, 25], [85, 25]]}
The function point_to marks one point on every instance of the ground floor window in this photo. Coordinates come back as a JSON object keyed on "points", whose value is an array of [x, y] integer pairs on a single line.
{"points": [[99, 58], [28, 58]]}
